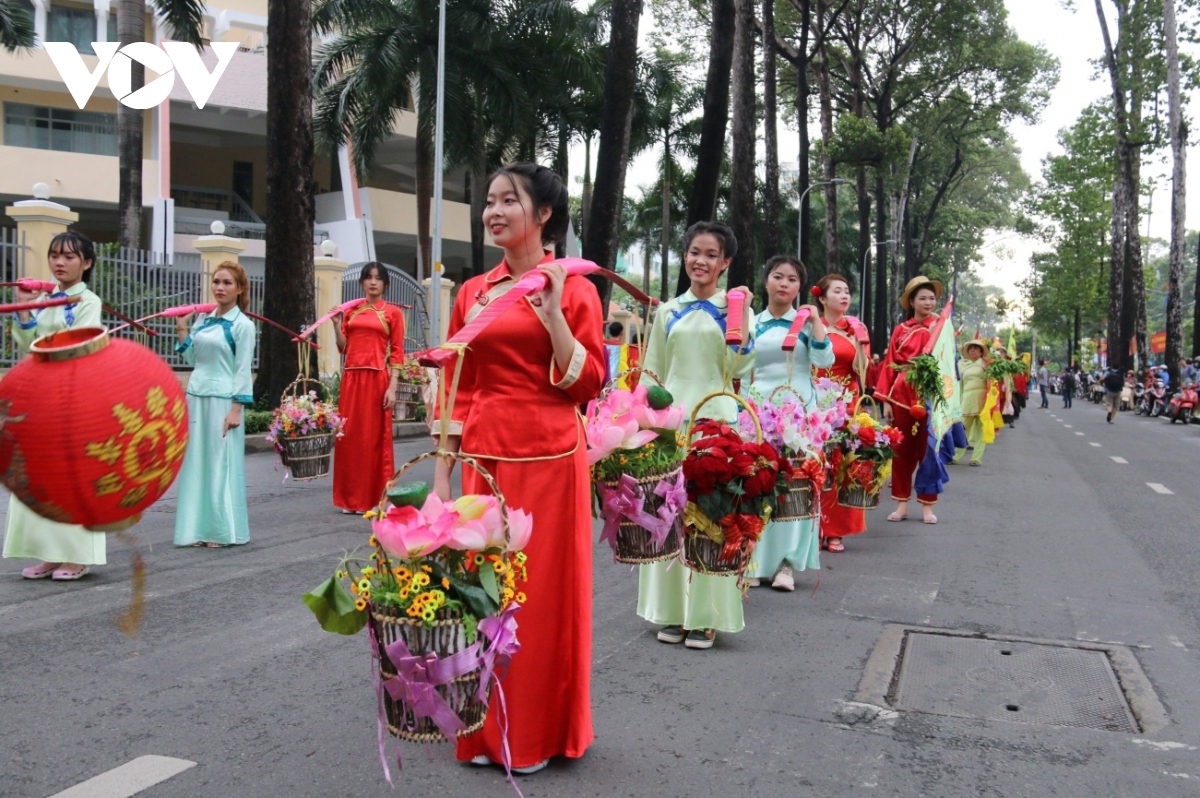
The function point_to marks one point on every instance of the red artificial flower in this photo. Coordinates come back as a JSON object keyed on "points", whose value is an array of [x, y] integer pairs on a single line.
{"points": [[862, 472], [894, 435], [815, 290], [835, 460], [866, 434]]}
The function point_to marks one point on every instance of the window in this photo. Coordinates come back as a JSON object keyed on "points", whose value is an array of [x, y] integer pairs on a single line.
{"points": [[77, 26], [60, 129]]}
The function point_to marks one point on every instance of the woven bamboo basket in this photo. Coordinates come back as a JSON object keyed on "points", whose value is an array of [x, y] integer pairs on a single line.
{"points": [[856, 496], [408, 396], [306, 456], [800, 501], [635, 544], [701, 553], [445, 638]]}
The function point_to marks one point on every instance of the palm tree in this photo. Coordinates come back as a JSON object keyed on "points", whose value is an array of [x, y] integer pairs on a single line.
{"points": [[184, 19], [384, 56], [16, 26], [290, 190], [620, 87]]}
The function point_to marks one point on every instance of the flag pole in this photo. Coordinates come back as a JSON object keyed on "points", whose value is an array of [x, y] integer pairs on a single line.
{"points": [[435, 310]]}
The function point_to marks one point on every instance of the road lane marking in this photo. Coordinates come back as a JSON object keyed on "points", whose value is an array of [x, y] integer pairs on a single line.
{"points": [[1066, 426], [1121, 460], [1078, 433], [1158, 487], [1093, 443], [128, 779]]}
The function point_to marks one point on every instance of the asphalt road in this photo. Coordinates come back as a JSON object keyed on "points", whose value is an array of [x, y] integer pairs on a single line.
{"points": [[1052, 538]]}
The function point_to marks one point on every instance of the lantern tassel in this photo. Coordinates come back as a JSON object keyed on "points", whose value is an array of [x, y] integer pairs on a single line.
{"points": [[131, 620]]}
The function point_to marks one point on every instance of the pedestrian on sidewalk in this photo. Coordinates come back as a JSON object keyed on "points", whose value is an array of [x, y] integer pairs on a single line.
{"points": [[1068, 387], [851, 345], [973, 371], [67, 551], [372, 339], [1113, 386], [211, 510], [787, 546], [909, 339], [1044, 384], [688, 351], [539, 361]]}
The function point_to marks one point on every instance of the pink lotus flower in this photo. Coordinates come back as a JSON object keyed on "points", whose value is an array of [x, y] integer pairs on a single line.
{"points": [[478, 526], [611, 425], [520, 529], [406, 532], [669, 418]]}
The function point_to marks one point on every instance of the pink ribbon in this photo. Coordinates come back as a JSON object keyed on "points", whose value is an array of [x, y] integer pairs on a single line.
{"points": [[627, 501], [501, 633], [674, 495], [417, 679]]}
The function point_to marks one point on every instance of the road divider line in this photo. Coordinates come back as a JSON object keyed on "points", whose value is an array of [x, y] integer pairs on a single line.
{"points": [[1122, 461], [1078, 433], [1093, 443], [1066, 426], [1158, 487], [128, 779]]}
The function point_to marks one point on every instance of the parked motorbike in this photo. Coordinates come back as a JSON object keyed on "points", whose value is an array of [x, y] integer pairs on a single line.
{"points": [[1157, 399], [1183, 404], [1139, 399]]}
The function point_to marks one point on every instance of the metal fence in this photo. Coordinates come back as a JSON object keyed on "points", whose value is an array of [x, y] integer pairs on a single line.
{"points": [[12, 267], [138, 283], [403, 290]]}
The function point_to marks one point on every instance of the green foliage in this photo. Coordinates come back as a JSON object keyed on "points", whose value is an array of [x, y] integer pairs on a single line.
{"points": [[257, 422], [925, 378]]}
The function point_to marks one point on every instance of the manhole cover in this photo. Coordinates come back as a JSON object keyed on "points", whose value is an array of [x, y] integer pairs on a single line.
{"points": [[1007, 680]]}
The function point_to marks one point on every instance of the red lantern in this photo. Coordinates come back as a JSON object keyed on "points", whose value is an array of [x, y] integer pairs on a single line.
{"points": [[92, 429]]}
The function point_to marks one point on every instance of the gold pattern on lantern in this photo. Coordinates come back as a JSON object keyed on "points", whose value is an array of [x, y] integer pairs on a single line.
{"points": [[151, 442]]}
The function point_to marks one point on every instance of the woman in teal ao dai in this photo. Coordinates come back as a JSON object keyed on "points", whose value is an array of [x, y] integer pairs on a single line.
{"points": [[211, 510], [67, 551], [687, 351], [787, 546]]}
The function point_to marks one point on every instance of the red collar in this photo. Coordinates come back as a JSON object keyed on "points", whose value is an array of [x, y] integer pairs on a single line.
{"points": [[502, 272]]}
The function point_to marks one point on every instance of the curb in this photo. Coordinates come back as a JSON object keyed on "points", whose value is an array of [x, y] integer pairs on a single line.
{"points": [[405, 430]]}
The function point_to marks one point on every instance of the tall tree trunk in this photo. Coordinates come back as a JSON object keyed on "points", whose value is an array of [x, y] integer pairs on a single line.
{"points": [[620, 82], [562, 168], [882, 327], [770, 139], [864, 245], [1118, 344], [131, 27], [665, 238], [424, 191], [832, 256], [805, 227], [1196, 307], [586, 200], [478, 200], [707, 178], [1077, 332], [1178, 197], [290, 189], [741, 190]]}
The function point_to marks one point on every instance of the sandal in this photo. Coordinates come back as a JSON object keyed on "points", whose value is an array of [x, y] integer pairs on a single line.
{"points": [[897, 517], [70, 574], [836, 547], [39, 571], [929, 519]]}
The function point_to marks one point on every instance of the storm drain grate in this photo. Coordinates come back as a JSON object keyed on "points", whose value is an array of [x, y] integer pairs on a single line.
{"points": [[1007, 680]]}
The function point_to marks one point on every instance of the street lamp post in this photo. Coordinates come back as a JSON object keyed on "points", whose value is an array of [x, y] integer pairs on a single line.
{"points": [[862, 273], [800, 225], [435, 281]]}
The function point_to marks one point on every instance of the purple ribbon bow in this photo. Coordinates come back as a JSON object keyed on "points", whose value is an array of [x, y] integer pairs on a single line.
{"points": [[674, 495], [417, 679], [501, 632], [626, 501]]}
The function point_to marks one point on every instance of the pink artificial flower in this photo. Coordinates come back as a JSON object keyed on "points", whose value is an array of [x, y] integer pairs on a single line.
{"points": [[520, 528], [669, 418], [611, 425], [406, 532], [478, 524]]}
